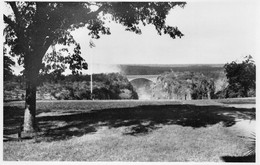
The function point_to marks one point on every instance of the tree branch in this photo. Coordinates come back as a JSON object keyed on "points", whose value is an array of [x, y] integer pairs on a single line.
{"points": [[15, 10], [8, 21], [95, 13]]}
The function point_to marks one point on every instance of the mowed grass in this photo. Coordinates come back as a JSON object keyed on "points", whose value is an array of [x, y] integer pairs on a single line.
{"points": [[129, 131]]}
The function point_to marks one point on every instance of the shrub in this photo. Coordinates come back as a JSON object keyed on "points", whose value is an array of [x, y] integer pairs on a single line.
{"points": [[82, 95], [64, 95], [125, 94]]}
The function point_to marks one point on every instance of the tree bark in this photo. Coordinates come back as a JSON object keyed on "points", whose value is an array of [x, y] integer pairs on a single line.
{"points": [[30, 123], [32, 67], [32, 63]]}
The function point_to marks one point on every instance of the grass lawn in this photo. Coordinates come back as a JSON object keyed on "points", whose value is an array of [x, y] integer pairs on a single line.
{"points": [[202, 131]]}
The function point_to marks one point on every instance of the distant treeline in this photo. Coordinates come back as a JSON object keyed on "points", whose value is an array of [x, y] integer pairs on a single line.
{"points": [[73, 87], [173, 82], [159, 69], [55, 78], [234, 80]]}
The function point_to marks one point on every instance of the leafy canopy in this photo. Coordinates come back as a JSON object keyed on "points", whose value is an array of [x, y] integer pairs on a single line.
{"points": [[241, 76], [35, 26]]}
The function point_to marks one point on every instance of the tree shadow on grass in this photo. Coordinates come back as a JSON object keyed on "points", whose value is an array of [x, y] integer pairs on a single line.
{"points": [[13, 118], [248, 158], [138, 120]]}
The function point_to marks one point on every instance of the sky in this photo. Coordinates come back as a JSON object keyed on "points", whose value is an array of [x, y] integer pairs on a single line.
{"points": [[215, 32]]}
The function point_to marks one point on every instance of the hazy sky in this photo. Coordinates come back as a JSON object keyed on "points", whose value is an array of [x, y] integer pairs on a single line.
{"points": [[215, 32]]}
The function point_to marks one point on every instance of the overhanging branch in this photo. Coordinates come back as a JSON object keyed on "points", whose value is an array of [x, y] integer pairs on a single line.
{"points": [[15, 10], [10, 22], [93, 14]]}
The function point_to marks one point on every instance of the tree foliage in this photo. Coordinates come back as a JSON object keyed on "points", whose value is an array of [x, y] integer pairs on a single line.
{"points": [[8, 63], [241, 78], [184, 86], [204, 88], [35, 26]]}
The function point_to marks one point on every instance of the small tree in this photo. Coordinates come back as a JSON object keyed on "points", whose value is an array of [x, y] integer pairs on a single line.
{"points": [[241, 77], [34, 27]]}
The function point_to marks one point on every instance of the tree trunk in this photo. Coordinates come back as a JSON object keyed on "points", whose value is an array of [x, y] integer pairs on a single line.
{"points": [[209, 96], [32, 67], [30, 124], [245, 92]]}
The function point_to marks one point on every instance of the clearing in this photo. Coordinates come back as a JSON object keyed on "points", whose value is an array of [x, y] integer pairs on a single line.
{"points": [[173, 131]]}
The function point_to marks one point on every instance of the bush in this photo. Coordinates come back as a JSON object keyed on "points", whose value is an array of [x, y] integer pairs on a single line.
{"points": [[125, 94], [102, 94], [64, 95], [82, 95]]}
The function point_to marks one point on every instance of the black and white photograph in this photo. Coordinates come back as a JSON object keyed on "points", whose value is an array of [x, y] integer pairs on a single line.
{"points": [[129, 81]]}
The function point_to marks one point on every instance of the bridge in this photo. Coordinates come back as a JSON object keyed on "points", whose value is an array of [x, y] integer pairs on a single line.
{"points": [[152, 78]]}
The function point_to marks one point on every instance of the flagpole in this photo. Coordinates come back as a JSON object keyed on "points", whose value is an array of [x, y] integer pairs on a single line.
{"points": [[91, 45], [91, 74]]}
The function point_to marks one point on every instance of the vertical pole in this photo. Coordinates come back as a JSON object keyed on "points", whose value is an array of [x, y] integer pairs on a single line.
{"points": [[91, 45], [91, 78]]}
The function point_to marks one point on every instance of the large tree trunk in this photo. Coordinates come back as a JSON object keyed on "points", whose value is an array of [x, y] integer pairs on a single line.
{"points": [[32, 66], [32, 61], [30, 124]]}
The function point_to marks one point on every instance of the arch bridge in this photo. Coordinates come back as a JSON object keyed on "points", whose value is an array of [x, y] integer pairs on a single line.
{"points": [[152, 78]]}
